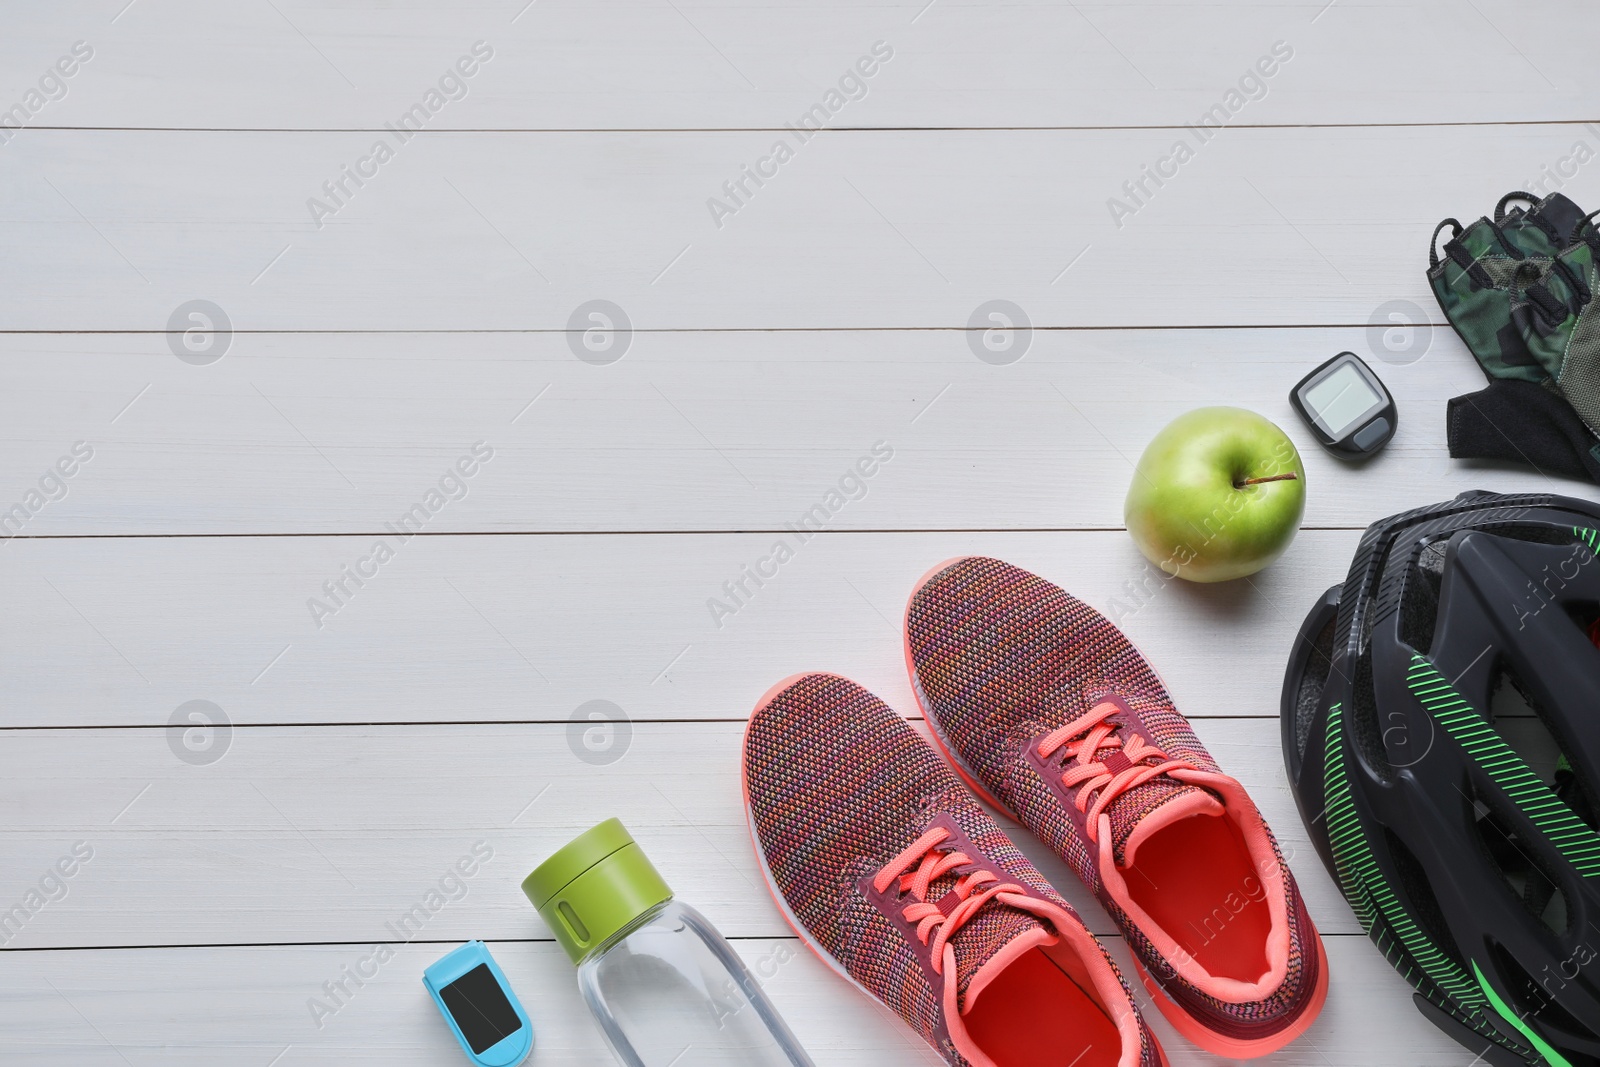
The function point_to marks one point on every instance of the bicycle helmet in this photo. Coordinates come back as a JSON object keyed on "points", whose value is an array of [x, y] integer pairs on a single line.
{"points": [[1441, 729]]}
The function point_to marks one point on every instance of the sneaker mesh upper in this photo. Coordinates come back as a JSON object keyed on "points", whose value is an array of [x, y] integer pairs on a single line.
{"points": [[1002, 657], [837, 786]]}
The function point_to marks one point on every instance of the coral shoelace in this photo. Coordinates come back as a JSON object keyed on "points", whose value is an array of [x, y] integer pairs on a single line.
{"points": [[1104, 760], [971, 891]]}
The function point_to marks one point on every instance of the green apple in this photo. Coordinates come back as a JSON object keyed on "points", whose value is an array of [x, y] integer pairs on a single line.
{"points": [[1217, 495]]}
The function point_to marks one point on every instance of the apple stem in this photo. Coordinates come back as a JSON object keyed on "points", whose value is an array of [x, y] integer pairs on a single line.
{"points": [[1291, 476]]}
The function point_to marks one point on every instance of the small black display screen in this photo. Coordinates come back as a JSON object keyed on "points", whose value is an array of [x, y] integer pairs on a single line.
{"points": [[480, 1008]]}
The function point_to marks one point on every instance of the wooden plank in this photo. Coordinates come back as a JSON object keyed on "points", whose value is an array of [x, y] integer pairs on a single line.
{"points": [[868, 229], [251, 1005], [772, 346], [333, 834], [339, 433], [481, 629], [630, 64], [204, 1006]]}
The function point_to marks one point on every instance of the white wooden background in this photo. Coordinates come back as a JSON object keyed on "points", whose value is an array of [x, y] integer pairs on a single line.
{"points": [[358, 760]]}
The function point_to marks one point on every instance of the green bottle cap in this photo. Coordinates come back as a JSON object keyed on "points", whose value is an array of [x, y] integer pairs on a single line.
{"points": [[594, 886]]}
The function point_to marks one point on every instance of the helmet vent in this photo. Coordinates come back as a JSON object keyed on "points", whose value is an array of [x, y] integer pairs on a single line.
{"points": [[1519, 719], [1419, 603], [1365, 732], [1424, 906], [1534, 1002], [1535, 533], [1586, 616], [1309, 698], [1432, 556], [1364, 627], [1521, 865], [1515, 716]]}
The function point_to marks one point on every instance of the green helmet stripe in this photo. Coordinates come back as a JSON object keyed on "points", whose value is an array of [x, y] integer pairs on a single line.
{"points": [[1571, 835], [1364, 885], [1551, 1056]]}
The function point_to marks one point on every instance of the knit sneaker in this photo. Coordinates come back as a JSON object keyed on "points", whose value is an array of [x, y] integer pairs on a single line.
{"points": [[895, 876], [1048, 712]]}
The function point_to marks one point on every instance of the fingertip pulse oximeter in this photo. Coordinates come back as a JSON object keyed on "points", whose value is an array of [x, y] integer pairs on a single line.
{"points": [[476, 1000]]}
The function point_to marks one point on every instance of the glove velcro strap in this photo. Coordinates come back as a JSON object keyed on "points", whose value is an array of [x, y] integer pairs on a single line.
{"points": [[1575, 285], [1433, 242], [1551, 310], [1472, 268]]}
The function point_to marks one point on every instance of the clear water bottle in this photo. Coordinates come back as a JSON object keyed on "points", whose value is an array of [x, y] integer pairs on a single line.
{"points": [[665, 987]]}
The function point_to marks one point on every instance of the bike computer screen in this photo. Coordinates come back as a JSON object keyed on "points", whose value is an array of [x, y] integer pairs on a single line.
{"points": [[1346, 407]]}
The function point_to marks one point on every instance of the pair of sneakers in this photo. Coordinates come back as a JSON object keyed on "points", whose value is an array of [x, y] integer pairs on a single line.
{"points": [[885, 863]]}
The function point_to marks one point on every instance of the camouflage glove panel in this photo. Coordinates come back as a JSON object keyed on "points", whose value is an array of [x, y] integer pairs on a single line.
{"points": [[1520, 291], [1502, 279]]}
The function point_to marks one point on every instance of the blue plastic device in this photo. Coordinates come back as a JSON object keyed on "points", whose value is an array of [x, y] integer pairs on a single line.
{"points": [[476, 1000]]}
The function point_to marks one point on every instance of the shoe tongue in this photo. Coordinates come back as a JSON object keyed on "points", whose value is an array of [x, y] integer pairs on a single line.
{"points": [[994, 938], [1151, 806]]}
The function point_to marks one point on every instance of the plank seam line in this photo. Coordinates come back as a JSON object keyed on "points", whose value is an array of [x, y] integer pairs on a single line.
{"points": [[887, 531], [363, 724], [456, 331], [600, 130], [419, 941]]}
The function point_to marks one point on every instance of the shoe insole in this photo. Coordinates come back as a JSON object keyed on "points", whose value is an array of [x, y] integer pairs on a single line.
{"points": [[1033, 1015], [1196, 880]]}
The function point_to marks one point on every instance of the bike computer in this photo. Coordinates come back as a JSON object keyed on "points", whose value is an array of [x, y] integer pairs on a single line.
{"points": [[1348, 409], [477, 1002]]}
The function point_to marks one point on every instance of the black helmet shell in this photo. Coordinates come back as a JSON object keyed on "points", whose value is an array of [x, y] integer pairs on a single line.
{"points": [[1465, 839]]}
